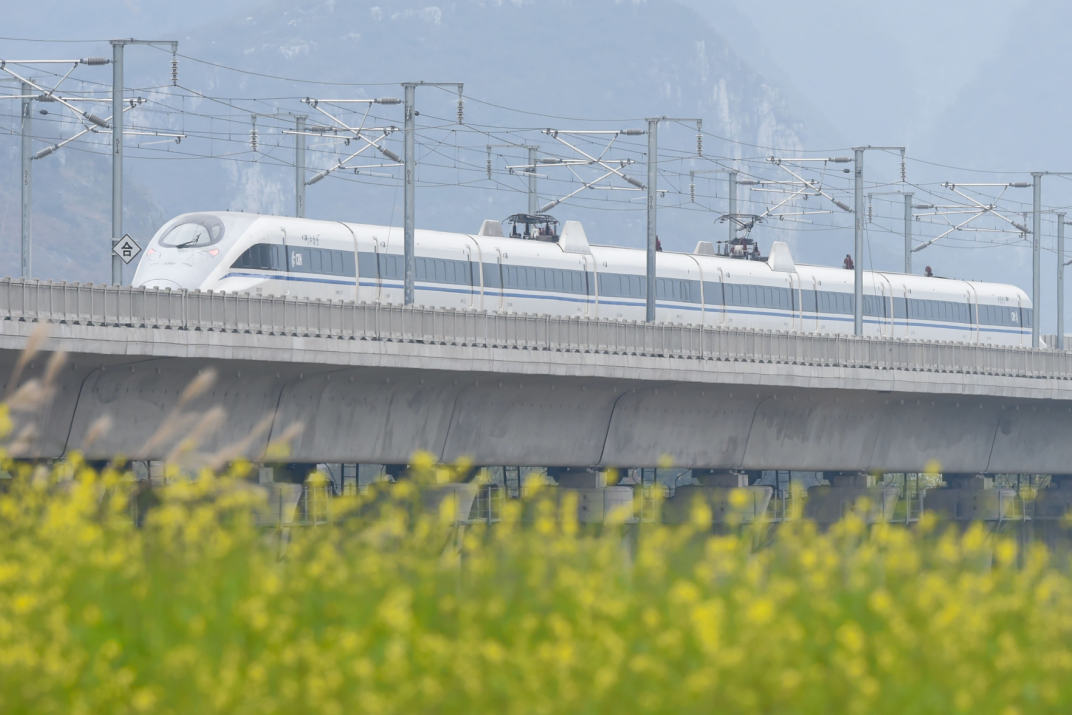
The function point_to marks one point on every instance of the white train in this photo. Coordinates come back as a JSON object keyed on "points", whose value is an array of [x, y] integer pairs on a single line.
{"points": [[565, 275]]}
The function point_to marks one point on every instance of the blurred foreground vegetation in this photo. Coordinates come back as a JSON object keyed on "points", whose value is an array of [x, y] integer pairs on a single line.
{"points": [[393, 609]]}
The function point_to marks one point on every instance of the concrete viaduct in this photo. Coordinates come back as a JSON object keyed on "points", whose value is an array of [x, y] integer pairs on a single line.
{"points": [[372, 383]]}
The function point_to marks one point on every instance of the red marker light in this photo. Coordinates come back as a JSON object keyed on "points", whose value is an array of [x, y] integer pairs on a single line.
{"points": [[214, 251]]}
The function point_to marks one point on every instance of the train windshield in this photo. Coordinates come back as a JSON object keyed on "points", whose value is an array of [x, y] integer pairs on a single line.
{"points": [[196, 232]]}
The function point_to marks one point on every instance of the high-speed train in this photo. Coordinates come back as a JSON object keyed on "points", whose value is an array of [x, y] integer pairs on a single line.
{"points": [[565, 275]]}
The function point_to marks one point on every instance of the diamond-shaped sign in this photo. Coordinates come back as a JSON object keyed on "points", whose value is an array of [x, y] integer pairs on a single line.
{"points": [[126, 249]]}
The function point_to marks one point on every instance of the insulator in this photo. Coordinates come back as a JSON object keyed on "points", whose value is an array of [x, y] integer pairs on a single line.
{"points": [[175, 71], [632, 132], [95, 61], [692, 193], [253, 138], [461, 111], [97, 120], [634, 182], [391, 155], [870, 213], [699, 145], [45, 152], [489, 168]]}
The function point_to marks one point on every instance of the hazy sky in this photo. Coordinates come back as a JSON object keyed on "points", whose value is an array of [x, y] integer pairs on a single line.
{"points": [[964, 84], [881, 72]]}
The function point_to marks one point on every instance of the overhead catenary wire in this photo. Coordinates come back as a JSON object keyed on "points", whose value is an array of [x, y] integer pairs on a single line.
{"points": [[466, 142]]}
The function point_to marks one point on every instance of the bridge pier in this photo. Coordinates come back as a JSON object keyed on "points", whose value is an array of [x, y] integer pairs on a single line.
{"points": [[715, 488], [970, 497], [1052, 503], [595, 499], [846, 493]]}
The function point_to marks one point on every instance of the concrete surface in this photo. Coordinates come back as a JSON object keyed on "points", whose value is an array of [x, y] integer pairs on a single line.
{"points": [[376, 401]]}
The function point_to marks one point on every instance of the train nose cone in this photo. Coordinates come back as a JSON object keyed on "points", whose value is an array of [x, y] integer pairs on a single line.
{"points": [[161, 283]]}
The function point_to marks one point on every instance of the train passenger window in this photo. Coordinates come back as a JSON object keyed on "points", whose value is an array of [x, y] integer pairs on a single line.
{"points": [[391, 267], [262, 257], [900, 308], [831, 302], [439, 270], [807, 301], [614, 285], [366, 265], [999, 315], [784, 298], [712, 293]]}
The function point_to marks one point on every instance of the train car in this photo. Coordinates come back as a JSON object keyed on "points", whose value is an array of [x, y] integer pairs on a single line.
{"points": [[552, 273]]}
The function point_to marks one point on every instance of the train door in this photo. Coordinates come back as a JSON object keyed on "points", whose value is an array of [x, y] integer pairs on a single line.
{"points": [[814, 324], [885, 320], [587, 265], [593, 288], [357, 270], [286, 287], [700, 275], [476, 280], [1019, 316], [721, 299], [906, 328], [500, 304], [794, 299], [973, 303], [380, 247]]}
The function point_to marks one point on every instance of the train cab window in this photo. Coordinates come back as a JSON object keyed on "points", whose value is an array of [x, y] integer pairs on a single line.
{"points": [[197, 231]]}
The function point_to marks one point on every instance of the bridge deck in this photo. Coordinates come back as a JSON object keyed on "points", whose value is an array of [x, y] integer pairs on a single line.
{"points": [[373, 382]]}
